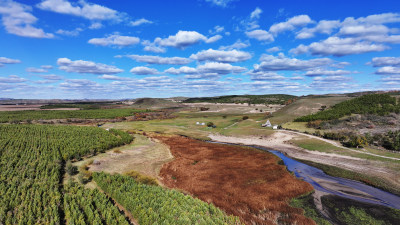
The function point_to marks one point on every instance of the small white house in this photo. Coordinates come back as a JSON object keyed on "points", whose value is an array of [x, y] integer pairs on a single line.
{"points": [[266, 124], [203, 124], [275, 127], [108, 129], [197, 123]]}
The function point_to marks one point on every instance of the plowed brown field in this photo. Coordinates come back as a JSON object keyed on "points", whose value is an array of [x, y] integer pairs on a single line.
{"points": [[242, 181]]}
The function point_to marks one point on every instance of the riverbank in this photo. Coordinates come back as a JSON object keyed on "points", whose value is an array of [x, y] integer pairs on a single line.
{"points": [[281, 140]]}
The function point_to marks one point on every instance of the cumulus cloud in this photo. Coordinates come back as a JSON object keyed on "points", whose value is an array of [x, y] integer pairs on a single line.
{"points": [[262, 75], [323, 72], [337, 46], [52, 77], [160, 60], [332, 83], [281, 62], [115, 40], [81, 66], [81, 9], [274, 49], [323, 27], [237, 45], [217, 29], [4, 60], [142, 70], [385, 61], [35, 70], [388, 70], [95, 26], [207, 70], [113, 77], [181, 70], [290, 24], [18, 20], [261, 35], [139, 22], [256, 13], [12, 79], [73, 33], [184, 39], [354, 35], [151, 47], [80, 85], [221, 56], [220, 3]]}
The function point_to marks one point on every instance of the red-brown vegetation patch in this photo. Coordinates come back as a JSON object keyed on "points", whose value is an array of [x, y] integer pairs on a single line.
{"points": [[242, 181]]}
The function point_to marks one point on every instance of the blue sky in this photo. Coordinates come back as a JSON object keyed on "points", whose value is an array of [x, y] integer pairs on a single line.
{"points": [[128, 49]]}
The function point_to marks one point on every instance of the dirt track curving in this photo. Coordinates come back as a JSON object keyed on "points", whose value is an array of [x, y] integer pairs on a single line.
{"points": [[242, 181]]}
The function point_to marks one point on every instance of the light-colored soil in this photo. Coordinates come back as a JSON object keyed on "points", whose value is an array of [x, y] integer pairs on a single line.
{"points": [[280, 141], [145, 155]]}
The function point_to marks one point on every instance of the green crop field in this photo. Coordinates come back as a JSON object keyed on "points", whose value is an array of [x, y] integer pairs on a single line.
{"points": [[14, 116]]}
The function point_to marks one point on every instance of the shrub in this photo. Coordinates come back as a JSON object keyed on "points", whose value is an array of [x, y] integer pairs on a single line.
{"points": [[210, 124], [245, 117], [71, 169], [143, 179]]}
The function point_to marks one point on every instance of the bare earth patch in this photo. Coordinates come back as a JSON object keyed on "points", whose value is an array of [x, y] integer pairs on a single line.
{"points": [[145, 155]]}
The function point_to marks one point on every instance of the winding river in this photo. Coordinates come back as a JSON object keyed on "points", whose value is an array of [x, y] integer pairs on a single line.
{"points": [[342, 187]]}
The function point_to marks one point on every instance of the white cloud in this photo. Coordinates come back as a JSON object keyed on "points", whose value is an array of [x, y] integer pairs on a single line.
{"points": [[81, 66], [47, 67], [385, 61], [221, 56], [142, 70], [237, 45], [322, 72], [387, 70], [115, 40], [323, 27], [81, 9], [290, 24], [113, 77], [339, 47], [35, 70], [4, 60], [220, 68], [217, 29], [213, 39], [207, 70], [260, 35], [12, 79], [181, 70], [183, 39], [151, 47], [262, 75], [18, 20], [363, 30], [139, 22], [274, 49], [71, 33], [220, 3], [332, 83], [151, 59], [281, 62], [256, 13], [52, 77], [95, 26]]}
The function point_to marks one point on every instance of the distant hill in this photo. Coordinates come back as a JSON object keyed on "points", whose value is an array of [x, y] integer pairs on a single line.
{"points": [[378, 104], [155, 103], [252, 99]]}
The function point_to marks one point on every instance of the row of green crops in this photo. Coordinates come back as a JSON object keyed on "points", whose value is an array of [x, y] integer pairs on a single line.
{"points": [[157, 205], [31, 165], [15, 116]]}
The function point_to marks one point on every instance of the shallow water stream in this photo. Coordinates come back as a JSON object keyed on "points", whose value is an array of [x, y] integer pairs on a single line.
{"points": [[342, 187]]}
